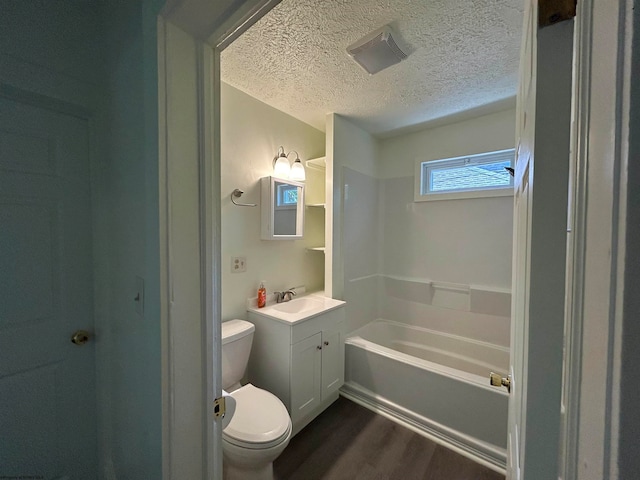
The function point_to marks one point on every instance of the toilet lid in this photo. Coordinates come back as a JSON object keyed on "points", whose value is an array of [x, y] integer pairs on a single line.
{"points": [[260, 419]]}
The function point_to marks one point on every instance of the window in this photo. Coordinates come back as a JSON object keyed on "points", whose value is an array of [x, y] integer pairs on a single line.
{"points": [[471, 176]]}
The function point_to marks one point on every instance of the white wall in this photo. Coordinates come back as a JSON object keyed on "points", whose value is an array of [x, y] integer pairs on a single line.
{"points": [[480, 134], [251, 134], [127, 243]]}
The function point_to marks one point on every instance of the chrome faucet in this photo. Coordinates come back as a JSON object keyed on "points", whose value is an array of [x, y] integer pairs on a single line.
{"points": [[285, 296]]}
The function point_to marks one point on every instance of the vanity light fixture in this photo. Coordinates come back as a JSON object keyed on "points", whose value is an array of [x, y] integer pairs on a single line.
{"points": [[282, 168]]}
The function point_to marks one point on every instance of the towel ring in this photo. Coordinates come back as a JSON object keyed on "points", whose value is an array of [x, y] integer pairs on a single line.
{"points": [[237, 193]]}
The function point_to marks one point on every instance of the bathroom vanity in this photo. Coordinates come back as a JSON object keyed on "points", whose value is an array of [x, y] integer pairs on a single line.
{"points": [[298, 354]]}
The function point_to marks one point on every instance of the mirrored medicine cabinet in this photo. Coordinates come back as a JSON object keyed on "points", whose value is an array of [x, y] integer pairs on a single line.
{"points": [[282, 209]]}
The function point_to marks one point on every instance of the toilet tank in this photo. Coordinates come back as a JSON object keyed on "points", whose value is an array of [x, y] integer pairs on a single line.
{"points": [[237, 336]]}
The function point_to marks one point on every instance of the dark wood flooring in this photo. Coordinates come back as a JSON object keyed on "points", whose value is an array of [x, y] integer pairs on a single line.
{"points": [[348, 441]]}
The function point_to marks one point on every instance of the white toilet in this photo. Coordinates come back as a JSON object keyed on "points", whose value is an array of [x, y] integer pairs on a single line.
{"points": [[260, 428]]}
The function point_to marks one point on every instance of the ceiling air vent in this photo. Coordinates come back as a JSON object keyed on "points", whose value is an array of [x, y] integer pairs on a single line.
{"points": [[376, 51]]}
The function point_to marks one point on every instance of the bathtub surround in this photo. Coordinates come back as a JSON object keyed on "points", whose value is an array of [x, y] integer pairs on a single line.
{"points": [[485, 317], [444, 265], [251, 134], [472, 311], [347, 147], [452, 254], [361, 233], [455, 241]]}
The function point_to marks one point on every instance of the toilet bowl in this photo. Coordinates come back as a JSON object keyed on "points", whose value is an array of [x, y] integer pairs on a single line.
{"points": [[260, 427], [257, 434]]}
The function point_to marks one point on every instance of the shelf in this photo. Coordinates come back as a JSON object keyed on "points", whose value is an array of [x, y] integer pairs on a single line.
{"points": [[318, 163], [319, 205], [316, 249]]}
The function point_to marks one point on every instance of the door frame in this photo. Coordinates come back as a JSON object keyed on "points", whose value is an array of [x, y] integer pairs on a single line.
{"points": [[595, 246], [190, 298], [604, 35]]}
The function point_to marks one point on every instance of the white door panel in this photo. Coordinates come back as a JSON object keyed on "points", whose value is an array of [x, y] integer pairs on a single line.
{"points": [[47, 383], [306, 368], [332, 362]]}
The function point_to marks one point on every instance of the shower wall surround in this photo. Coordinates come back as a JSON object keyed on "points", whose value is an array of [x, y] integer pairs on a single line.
{"points": [[444, 265]]}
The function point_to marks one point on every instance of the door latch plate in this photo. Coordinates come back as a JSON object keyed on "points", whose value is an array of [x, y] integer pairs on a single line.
{"points": [[219, 407]]}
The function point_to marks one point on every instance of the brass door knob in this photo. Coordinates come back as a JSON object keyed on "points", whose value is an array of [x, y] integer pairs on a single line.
{"points": [[80, 337], [498, 380]]}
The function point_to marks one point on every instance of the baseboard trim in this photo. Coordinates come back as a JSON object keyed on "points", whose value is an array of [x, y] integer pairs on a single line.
{"points": [[493, 458]]}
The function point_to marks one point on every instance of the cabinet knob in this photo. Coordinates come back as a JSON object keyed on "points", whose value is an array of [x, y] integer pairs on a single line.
{"points": [[326, 343], [319, 347]]}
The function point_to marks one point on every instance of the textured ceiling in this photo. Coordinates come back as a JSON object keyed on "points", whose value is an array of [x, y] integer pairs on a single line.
{"points": [[462, 54]]}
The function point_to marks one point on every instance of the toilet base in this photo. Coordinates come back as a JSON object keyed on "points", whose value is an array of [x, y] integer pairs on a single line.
{"points": [[264, 472]]}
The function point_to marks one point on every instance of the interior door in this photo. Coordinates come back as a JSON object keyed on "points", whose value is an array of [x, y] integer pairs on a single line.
{"points": [[47, 383], [540, 206], [522, 243]]}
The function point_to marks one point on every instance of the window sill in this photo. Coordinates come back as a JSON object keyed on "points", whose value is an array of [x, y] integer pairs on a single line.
{"points": [[500, 192]]}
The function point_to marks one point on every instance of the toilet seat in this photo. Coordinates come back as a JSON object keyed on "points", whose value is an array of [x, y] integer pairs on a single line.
{"points": [[260, 421]]}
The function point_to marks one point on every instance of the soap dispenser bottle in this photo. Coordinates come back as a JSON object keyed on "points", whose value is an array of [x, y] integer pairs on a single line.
{"points": [[262, 295]]}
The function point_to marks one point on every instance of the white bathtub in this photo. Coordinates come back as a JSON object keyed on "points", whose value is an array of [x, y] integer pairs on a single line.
{"points": [[433, 382]]}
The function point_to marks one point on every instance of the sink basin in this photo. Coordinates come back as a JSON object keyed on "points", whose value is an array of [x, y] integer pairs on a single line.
{"points": [[298, 305], [299, 309]]}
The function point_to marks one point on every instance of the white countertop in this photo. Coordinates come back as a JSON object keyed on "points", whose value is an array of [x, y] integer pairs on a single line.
{"points": [[310, 305]]}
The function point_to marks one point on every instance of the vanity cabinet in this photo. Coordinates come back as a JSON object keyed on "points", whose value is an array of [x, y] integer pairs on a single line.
{"points": [[317, 371], [301, 363]]}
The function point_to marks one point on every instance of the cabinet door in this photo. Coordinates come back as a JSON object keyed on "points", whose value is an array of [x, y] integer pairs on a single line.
{"points": [[332, 361], [306, 365]]}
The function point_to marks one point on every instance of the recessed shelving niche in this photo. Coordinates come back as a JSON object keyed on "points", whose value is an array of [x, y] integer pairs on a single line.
{"points": [[315, 213]]}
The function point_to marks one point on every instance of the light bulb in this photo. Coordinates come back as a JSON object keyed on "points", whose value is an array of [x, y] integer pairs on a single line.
{"points": [[282, 167], [297, 171]]}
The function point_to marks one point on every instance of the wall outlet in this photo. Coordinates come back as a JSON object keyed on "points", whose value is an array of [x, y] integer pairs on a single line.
{"points": [[238, 264]]}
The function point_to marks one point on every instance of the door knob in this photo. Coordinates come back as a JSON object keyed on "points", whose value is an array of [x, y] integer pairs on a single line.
{"points": [[80, 337], [498, 380]]}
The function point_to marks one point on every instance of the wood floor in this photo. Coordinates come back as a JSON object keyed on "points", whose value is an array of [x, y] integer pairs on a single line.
{"points": [[348, 441]]}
